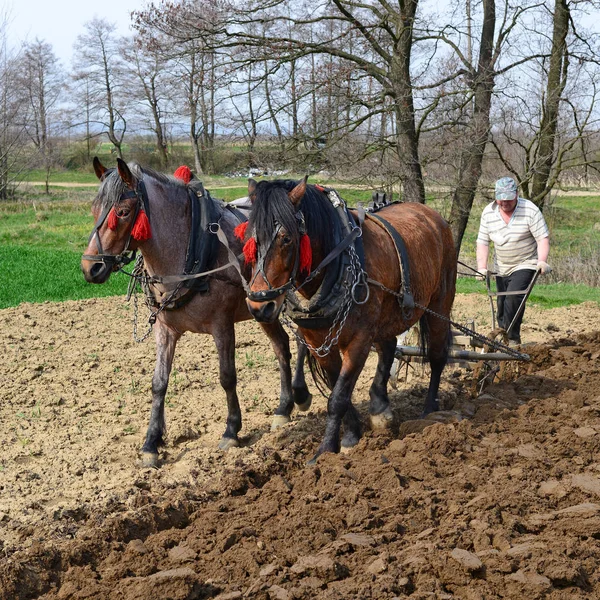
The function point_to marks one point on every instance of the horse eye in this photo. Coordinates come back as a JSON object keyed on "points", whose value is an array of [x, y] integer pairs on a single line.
{"points": [[286, 239], [122, 212]]}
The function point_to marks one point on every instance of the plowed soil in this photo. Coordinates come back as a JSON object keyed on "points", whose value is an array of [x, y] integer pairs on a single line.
{"points": [[498, 496]]}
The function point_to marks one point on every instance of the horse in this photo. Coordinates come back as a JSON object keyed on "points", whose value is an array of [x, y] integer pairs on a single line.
{"points": [[351, 280], [137, 208]]}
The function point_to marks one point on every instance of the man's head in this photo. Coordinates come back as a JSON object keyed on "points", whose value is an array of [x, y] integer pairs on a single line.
{"points": [[506, 194]]}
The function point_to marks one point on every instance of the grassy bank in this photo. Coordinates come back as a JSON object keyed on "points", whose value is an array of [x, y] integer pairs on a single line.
{"points": [[42, 239]]}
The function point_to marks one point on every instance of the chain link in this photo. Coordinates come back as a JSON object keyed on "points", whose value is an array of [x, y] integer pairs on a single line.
{"points": [[492, 343], [355, 272]]}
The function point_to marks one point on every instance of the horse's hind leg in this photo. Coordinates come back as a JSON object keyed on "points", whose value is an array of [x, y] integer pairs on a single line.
{"points": [[166, 340], [439, 344], [379, 407], [225, 341]]}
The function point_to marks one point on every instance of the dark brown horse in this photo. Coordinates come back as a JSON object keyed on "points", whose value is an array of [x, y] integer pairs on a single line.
{"points": [[356, 293], [139, 209]]}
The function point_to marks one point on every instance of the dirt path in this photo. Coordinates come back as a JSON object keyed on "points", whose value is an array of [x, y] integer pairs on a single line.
{"points": [[499, 500]]}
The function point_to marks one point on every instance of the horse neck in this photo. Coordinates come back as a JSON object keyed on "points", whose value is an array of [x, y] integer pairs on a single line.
{"points": [[164, 253]]}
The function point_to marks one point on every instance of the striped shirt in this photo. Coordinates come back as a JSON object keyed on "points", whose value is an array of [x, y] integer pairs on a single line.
{"points": [[515, 242]]}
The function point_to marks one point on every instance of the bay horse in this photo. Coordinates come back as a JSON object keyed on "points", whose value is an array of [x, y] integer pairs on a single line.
{"points": [[176, 229], [382, 276]]}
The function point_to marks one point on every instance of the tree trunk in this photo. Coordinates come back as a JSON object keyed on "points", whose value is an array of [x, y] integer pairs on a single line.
{"points": [[406, 135], [557, 77], [479, 128]]}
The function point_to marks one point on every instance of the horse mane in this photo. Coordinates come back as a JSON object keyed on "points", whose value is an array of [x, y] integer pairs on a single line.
{"points": [[273, 205], [112, 186]]}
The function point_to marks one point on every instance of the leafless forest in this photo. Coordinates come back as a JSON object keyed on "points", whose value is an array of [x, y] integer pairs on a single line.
{"points": [[406, 95]]}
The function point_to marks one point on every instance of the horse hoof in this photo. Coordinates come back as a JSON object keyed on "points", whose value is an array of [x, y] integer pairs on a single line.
{"points": [[279, 421], [306, 404], [382, 420], [346, 449], [149, 460], [227, 443]]}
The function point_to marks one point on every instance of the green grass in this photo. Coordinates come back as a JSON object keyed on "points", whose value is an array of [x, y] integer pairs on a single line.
{"points": [[37, 274], [544, 295], [42, 239]]}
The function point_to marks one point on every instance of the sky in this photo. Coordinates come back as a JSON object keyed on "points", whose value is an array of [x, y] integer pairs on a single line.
{"points": [[59, 22]]}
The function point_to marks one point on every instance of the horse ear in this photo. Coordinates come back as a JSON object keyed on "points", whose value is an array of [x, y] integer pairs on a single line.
{"points": [[252, 189], [125, 173], [99, 168], [298, 192]]}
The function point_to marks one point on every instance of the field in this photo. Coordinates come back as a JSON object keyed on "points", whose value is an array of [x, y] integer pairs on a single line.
{"points": [[496, 496], [498, 499]]}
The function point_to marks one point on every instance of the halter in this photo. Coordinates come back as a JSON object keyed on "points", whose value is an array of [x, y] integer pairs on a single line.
{"points": [[118, 261], [272, 292]]}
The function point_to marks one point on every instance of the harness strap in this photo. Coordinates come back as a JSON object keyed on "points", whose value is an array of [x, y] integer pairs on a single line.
{"points": [[408, 302]]}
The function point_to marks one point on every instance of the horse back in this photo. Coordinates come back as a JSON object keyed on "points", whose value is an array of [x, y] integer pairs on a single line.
{"points": [[429, 244]]}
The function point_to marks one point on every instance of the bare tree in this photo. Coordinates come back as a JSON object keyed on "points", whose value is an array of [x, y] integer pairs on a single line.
{"points": [[152, 91], [12, 120], [99, 59], [42, 81]]}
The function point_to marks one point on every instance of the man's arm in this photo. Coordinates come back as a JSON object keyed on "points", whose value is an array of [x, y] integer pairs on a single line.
{"points": [[483, 251], [543, 249]]}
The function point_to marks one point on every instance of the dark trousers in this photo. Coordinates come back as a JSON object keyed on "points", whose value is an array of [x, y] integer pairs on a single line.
{"points": [[508, 305]]}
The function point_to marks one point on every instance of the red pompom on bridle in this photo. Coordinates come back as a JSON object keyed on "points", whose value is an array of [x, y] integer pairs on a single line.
{"points": [[305, 254], [141, 228], [112, 222]]}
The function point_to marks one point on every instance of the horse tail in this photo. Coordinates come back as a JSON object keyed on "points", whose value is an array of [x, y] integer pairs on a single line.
{"points": [[424, 337], [319, 375]]}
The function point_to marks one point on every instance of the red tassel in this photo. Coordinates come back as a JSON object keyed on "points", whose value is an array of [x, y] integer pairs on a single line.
{"points": [[141, 227], [305, 254], [183, 173], [112, 222], [240, 231], [250, 251]]}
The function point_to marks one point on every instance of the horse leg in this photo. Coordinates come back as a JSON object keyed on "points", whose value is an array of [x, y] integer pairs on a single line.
{"points": [[225, 341], [339, 405], [281, 345], [438, 332], [379, 407], [166, 340], [302, 397]]}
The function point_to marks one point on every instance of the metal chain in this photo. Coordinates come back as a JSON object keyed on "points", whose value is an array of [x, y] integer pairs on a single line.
{"points": [[492, 343], [141, 280], [333, 335]]}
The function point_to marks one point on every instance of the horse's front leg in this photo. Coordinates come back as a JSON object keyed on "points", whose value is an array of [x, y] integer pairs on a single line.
{"points": [[302, 397], [339, 405], [224, 337], [379, 407], [290, 392], [280, 342], [166, 340]]}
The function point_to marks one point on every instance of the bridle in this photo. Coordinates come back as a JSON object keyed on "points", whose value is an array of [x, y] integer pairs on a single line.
{"points": [[118, 261], [274, 292]]}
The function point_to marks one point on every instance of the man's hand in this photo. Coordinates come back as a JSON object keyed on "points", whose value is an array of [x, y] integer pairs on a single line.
{"points": [[543, 267], [481, 274]]}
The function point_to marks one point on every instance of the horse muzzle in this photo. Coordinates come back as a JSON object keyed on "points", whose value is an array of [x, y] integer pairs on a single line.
{"points": [[96, 271], [265, 312]]}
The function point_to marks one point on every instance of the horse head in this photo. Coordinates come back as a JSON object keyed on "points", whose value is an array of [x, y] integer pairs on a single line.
{"points": [[277, 245], [121, 222]]}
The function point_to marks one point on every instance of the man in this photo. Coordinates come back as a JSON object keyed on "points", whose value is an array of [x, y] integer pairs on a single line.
{"points": [[521, 246]]}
